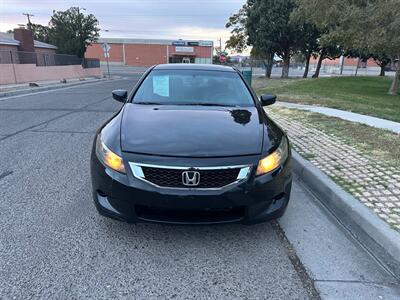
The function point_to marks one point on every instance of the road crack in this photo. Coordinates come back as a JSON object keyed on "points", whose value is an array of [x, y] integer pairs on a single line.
{"points": [[306, 280], [5, 173]]}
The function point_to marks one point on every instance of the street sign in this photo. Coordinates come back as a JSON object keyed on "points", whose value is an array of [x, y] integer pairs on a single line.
{"points": [[206, 43], [183, 49], [179, 43], [106, 49], [222, 58]]}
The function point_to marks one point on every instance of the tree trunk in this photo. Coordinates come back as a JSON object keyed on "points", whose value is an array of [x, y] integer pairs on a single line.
{"points": [[341, 64], [286, 65], [394, 89], [382, 73], [265, 63], [268, 65], [357, 67], [318, 69], [308, 57], [270, 61], [382, 63]]}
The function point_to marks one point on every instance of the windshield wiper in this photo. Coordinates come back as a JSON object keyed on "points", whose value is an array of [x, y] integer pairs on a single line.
{"points": [[188, 103], [209, 104], [148, 103]]}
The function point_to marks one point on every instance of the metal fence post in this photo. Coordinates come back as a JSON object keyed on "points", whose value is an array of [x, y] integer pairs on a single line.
{"points": [[12, 62]]}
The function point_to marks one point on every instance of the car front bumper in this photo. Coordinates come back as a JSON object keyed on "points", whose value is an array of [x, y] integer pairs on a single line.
{"points": [[126, 198]]}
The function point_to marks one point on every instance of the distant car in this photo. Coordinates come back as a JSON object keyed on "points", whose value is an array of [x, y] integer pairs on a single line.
{"points": [[192, 144]]}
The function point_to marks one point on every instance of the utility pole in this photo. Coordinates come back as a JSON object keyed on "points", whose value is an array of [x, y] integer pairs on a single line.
{"points": [[79, 9], [220, 45], [28, 15]]}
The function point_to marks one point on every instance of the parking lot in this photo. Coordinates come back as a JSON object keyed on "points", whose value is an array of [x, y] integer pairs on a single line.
{"points": [[55, 245]]}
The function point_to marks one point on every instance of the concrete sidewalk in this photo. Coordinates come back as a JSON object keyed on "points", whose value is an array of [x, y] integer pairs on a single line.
{"points": [[24, 88], [18, 86], [346, 115], [334, 259]]}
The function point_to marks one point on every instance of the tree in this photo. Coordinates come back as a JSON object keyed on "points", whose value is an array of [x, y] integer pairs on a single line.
{"points": [[326, 51], [382, 60], [366, 26], [71, 31], [237, 22], [266, 26], [325, 21], [308, 44], [362, 56], [239, 42], [385, 38], [372, 26], [263, 46], [308, 39], [40, 32], [267, 57], [270, 27]]}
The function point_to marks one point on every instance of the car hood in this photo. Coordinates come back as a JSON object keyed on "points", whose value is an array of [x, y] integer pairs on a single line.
{"points": [[191, 131]]}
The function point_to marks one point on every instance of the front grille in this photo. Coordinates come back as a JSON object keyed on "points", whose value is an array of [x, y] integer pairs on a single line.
{"points": [[190, 216], [214, 178]]}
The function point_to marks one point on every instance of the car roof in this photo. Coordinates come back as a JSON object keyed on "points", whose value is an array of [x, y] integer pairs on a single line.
{"points": [[205, 67]]}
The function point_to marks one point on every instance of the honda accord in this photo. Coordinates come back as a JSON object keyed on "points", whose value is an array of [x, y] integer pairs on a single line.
{"points": [[191, 144]]}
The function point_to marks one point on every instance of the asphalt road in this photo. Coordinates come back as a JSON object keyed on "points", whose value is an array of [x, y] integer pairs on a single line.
{"points": [[55, 245]]}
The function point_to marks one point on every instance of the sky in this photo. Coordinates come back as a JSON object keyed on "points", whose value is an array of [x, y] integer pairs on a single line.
{"points": [[170, 19]]}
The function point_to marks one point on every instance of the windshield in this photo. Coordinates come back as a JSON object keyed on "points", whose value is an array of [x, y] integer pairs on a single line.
{"points": [[193, 87]]}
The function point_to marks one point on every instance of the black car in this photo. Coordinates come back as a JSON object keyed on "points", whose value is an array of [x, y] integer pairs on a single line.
{"points": [[192, 144]]}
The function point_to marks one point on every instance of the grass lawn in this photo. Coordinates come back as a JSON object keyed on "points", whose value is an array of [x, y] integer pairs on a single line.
{"points": [[365, 95], [380, 144]]}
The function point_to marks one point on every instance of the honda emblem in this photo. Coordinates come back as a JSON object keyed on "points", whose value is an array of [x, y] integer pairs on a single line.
{"points": [[191, 178]]}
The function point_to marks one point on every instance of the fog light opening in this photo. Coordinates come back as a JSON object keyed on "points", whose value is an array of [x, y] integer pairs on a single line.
{"points": [[101, 193], [279, 197]]}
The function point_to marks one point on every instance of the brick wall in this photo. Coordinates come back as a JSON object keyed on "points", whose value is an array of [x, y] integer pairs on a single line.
{"points": [[145, 55], [25, 37], [95, 51], [347, 62], [142, 55]]}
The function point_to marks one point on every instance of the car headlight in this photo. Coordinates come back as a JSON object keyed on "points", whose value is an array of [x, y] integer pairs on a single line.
{"points": [[275, 159], [107, 157]]}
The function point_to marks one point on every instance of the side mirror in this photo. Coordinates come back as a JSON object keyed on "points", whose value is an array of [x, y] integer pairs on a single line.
{"points": [[267, 99], [120, 95]]}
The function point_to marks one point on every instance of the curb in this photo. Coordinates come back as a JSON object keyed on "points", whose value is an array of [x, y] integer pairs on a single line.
{"points": [[373, 233], [48, 88]]}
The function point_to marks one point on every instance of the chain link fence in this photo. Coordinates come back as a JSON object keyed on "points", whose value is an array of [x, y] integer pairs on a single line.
{"points": [[46, 59], [296, 69]]}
